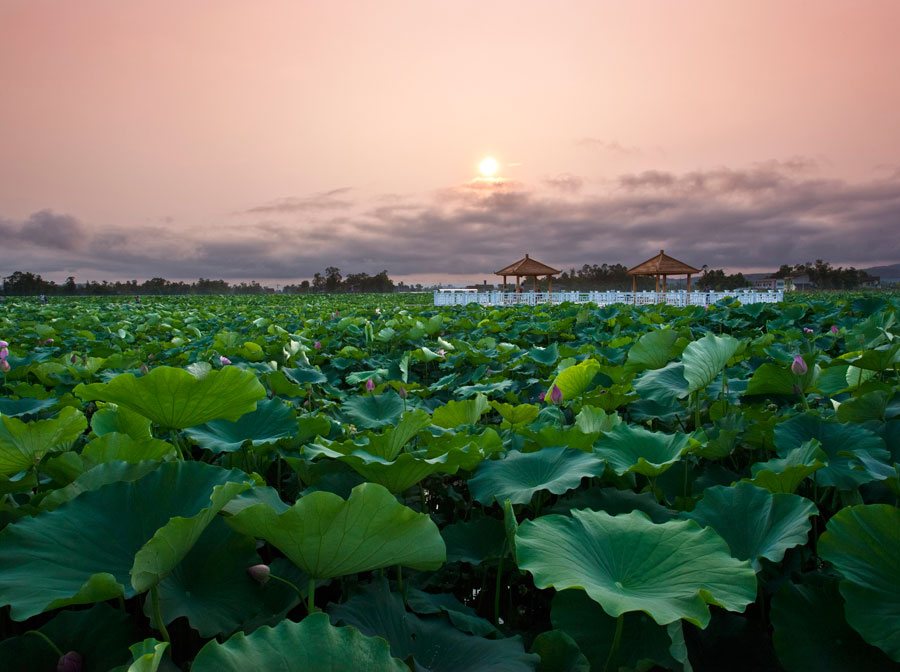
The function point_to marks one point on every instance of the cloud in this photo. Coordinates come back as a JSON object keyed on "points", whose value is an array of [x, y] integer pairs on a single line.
{"points": [[326, 200], [611, 146], [761, 216]]}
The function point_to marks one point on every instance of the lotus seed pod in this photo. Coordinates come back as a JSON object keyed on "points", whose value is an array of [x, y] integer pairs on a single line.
{"points": [[799, 367], [259, 573], [71, 662]]}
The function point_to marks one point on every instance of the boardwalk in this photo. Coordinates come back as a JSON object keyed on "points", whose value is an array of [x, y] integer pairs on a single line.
{"points": [[676, 298]]}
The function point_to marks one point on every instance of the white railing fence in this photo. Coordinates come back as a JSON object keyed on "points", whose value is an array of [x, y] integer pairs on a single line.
{"points": [[675, 298]]}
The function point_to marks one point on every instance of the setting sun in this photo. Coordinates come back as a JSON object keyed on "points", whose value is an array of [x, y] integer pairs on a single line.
{"points": [[488, 166]]}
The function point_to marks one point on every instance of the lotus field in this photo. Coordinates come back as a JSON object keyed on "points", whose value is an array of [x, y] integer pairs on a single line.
{"points": [[347, 483]]}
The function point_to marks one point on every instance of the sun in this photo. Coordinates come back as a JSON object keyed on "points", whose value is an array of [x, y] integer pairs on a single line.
{"points": [[488, 166]]}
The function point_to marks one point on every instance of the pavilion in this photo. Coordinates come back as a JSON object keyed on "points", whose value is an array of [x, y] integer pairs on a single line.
{"points": [[662, 265], [526, 267]]}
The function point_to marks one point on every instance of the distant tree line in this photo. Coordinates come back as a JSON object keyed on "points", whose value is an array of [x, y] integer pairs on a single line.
{"points": [[825, 276], [615, 277], [23, 283]]}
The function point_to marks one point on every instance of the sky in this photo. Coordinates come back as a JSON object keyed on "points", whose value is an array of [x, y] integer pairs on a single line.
{"points": [[266, 140]]}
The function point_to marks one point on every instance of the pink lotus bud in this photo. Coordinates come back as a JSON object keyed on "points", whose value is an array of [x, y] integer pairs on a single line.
{"points": [[73, 358], [318, 345], [259, 573], [4, 366], [402, 392], [71, 662], [306, 403], [556, 395], [442, 352], [799, 367], [834, 329], [4, 344], [370, 384], [48, 341], [4, 353], [807, 330], [541, 396], [144, 370], [224, 361], [378, 311]]}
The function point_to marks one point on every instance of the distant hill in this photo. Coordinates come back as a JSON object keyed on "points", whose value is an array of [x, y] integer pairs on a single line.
{"points": [[886, 273]]}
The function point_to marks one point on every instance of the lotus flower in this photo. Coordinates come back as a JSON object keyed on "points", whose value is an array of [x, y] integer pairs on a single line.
{"points": [[556, 395], [71, 662], [224, 361], [370, 384], [799, 367], [378, 311], [4, 366], [48, 341], [317, 345], [834, 329], [807, 330], [259, 573], [4, 352], [541, 396], [441, 352], [4, 344]]}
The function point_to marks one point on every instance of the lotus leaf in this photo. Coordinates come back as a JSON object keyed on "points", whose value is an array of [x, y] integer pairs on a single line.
{"points": [[327, 536], [13, 408], [631, 448], [272, 420], [573, 381], [653, 350], [313, 645], [704, 359], [519, 475], [475, 541], [110, 418], [627, 563], [456, 413], [559, 653], [863, 542], [175, 399], [372, 410], [115, 446], [23, 444]]}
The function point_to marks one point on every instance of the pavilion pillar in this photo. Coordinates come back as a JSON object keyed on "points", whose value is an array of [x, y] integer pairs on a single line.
{"points": [[657, 284], [689, 283], [504, 284], [518, 286], [549, 284], [634, 289], [664, 283], [534, 278]]}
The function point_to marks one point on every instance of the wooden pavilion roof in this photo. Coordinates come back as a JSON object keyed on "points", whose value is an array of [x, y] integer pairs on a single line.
{"points": [[662, 264], [527, 266]]}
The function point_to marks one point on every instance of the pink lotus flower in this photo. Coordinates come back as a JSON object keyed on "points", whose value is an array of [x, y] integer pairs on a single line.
{"points": [[834, 329], [4, 344], [259, 573], [441, 352], [556, 395], [798, 367], [4, 352], [378, 311], [4, 366], [370, 384], [807, 330], [224, 361], [317, 345], [48, 341]]}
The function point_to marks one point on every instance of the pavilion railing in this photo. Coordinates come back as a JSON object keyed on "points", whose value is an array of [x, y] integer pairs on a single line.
{"points": [[673, 298]]}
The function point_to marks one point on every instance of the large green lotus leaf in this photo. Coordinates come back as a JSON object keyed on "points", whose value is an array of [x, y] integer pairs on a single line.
{"points": [[520, 414], [111, 418], [546, 356], [456, 413], [573, 381], [627, 563], [811, 633], [754, 522], [591, 420], [327, 536], [389, 443], [870, 406], [272, 420], [175, 399], [845, 446], [881, 358], [475, 541], [663, 385], [96, 477], [149, 656], [464, 618], [433, 642], [305, 375], [863, 542], [100, 634], [771, 379], [313, 645], [26, 406], [704, 359], [112, 541], [211, 587], [370, 411], [653, 350], [23, 444], [559, 653], [548, 437], [632, 448], [519, 475], [785, 474], [613, 502], [116, 446], [643, 643]]}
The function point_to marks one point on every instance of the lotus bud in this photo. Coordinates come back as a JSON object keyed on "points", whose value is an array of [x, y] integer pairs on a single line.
{"points": [[4, 344], [48, 341], [402, 392], [317, 345], [556, 395], [807, 330], [150, 357], [834, 329], [73, 358], [4, 353], [144, 370], [442, 352], [378, 311], [259, 573], [4, 366], [799, 367], [224, 361], [370, 384], [71, 662], [541, 396]]}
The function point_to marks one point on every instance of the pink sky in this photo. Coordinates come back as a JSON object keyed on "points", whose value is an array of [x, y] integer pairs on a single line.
{"points": [[267, 140]]}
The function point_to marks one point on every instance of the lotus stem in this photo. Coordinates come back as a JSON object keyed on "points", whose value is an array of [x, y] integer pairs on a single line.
{"points": [[294, 587], [46, 639], [614, 649], [497, 587], [311, 596], [157, 614]]}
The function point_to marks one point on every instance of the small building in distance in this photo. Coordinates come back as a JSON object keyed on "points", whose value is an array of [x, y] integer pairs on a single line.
{"points": [[799, 283], [769, 283]]}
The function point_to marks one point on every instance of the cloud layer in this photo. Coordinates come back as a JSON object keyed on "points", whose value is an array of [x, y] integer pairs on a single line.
{"points": [[758, 217]]}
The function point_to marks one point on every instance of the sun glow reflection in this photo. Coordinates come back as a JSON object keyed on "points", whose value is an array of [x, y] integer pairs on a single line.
{"points": [[488, 166]]}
